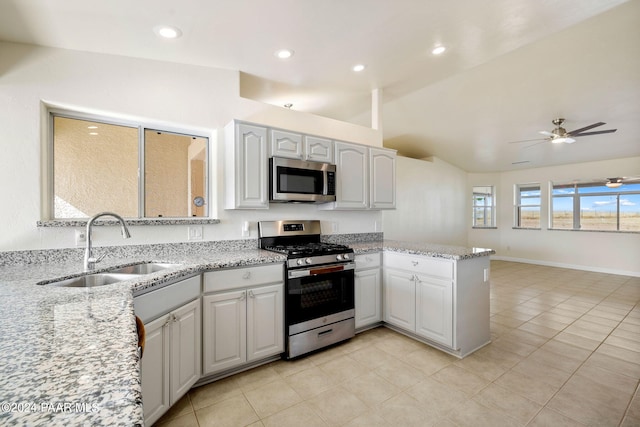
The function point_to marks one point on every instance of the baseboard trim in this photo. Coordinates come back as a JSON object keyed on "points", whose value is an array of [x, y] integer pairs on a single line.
{"points": [[564, 265]]}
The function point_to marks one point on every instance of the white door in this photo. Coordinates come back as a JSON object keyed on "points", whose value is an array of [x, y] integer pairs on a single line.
{"points": [[265, 324], [383, 178], [185, 349], [352, 176], [251, 167], [434, 309], [224, 337], [286, 144], [399, 304], [368, 294], [318, 149], [155, 370]]}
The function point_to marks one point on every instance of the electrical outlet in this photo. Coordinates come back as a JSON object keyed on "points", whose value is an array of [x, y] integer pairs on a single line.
{"points": [[246, 231], [486, 274], [195, 233], [334, 227], [81, 237]]}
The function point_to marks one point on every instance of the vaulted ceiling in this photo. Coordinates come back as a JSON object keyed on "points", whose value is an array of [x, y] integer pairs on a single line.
{"points": [[511, 66]]}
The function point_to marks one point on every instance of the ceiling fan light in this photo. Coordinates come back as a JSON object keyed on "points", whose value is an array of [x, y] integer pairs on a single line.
{"points": [[613, 184], [563, 139]]}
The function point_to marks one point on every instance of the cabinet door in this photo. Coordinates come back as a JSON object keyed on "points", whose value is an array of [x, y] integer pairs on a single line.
{"points": [[383, 178], [155, 370], [265, 321], [224, 339], [399, 304], [286, 144], [352, 176], [185, 349], [434, 309], [251, 165], [368, 293], [318, 149]]}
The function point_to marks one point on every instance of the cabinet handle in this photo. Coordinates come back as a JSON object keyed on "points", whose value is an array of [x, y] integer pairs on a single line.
{"points": [[251, 294], [242, 296], [169, 319], [246, 275]]}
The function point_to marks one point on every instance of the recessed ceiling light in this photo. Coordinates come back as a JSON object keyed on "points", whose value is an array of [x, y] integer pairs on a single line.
{"points": [[167, 32], [92, 127], [93, 133], [284, 53], [438, 50], [359, 67]]}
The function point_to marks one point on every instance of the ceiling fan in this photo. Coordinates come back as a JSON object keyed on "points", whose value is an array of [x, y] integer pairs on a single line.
{"points": [[560, 135]]}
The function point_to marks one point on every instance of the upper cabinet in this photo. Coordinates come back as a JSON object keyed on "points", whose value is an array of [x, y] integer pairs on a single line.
{"points": [[365, 177], [297, 146], [352, 172], [382, 167], [246, 166]]}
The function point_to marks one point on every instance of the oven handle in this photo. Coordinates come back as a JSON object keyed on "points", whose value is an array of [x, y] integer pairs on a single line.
{"points": [[316, 271]]}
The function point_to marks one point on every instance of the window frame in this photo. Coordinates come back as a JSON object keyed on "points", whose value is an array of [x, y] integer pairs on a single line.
{"points": [[48, 210], [518, 205], [577, 196], [491, 207]]}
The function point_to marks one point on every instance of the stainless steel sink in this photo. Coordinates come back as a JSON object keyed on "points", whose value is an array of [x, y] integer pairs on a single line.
{"points": [[92, 280], [143, 268]]}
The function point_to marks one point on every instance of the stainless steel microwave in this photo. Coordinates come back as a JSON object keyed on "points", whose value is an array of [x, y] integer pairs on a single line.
{"points": [[292, 180]]}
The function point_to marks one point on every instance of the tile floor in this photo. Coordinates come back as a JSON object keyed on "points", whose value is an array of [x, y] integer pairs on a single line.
{"points": [[565, 352]]}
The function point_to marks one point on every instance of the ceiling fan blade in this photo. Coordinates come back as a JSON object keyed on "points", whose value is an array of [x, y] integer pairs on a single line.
{"points": [[528, 140], [533, 145], [598, 132], [595, 125]]}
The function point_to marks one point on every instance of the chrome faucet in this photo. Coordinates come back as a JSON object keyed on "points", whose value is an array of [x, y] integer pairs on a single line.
{"points": [[89, 260]]}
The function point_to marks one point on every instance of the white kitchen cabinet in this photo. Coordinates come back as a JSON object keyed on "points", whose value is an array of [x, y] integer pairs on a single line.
{"points": [[352, 176], [382, 182], [318, 149], [246, 166], [243, 316], [434, 309], [442, 302], [286, 144], [172, 359], [225, 330], [400, 299], [297, 146], [368, 290]]}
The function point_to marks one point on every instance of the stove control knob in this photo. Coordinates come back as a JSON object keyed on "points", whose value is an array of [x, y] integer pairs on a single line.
{"points": [[339, 257], [299, 262], [345, 256], [308, 261]]}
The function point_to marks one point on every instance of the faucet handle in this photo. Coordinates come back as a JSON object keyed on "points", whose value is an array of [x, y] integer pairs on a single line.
{"points": [[98, 259]]}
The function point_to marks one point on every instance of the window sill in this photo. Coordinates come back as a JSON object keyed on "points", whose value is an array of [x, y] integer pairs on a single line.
{"points": [[484, 228], [527, 228], [595, 231], [130, 221]]}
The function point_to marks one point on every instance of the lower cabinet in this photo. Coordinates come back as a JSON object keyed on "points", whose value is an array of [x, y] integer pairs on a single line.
{"points": [[171, 361], [243, 324], [368, 290]]}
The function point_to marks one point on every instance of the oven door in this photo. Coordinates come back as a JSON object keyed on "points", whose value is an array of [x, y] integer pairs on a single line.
{"points": [[299, 181], [319, 292]]}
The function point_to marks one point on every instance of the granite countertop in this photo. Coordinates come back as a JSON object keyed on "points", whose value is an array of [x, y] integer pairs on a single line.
{"points": [[69, 355], [420, 248]]}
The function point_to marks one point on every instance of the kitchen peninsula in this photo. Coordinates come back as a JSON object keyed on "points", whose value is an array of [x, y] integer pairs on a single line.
{"points": [[78, 347]]}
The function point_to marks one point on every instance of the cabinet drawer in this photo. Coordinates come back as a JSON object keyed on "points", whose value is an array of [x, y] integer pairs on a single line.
{"points": [[367, 260], [236, 278], [154, 304], [420, 264]]}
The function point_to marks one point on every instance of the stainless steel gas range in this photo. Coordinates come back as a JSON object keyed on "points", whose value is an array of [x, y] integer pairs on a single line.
{"points": [[319, 286]]}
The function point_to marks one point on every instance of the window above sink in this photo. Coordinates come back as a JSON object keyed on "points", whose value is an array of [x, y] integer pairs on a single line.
{"points": [[152, 175]]}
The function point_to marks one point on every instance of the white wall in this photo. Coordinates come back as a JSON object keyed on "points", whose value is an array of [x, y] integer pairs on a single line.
{"points": [[597, 251], [160, 93], [431, 203]]}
